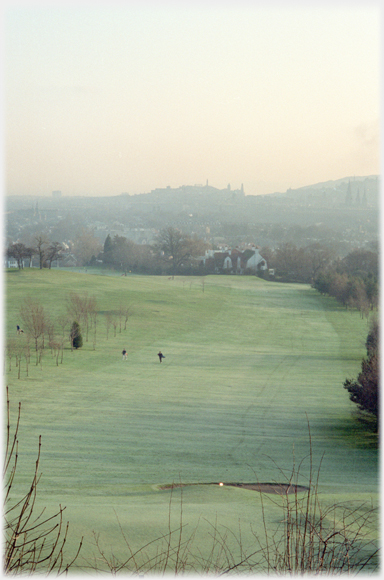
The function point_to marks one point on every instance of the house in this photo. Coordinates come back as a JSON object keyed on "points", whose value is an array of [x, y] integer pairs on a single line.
{"points": [[235, 261], [11, 263], [69, 261], [256, 262], [227, 264]]}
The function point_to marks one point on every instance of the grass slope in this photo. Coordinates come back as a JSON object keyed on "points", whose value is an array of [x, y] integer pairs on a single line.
{"points": [[247, 362]]}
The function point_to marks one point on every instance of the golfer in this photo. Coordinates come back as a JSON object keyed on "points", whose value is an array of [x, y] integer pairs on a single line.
{"points": [[160, 355]]}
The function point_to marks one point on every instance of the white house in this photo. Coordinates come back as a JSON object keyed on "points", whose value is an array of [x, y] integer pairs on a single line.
{"points": [[233, 260], [12, 263], [227, 265], [256, 261]]}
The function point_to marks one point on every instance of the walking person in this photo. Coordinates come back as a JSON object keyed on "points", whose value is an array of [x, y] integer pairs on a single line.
{"points": [[160, 355], [124, 353]]}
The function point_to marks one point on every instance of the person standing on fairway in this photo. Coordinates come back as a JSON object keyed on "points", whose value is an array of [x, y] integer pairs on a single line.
{"points": [[124, 353], [160, 355]]}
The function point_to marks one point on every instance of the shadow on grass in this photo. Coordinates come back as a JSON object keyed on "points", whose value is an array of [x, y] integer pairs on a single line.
{"points": [[13, 271], [357, 430]]}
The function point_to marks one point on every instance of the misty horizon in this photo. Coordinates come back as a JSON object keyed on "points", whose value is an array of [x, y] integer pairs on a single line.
{"points": [[60, 193], [106, 99]]}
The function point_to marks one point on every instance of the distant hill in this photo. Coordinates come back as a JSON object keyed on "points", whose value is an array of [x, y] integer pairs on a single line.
{"points": [[338, 182], [337, 189]]}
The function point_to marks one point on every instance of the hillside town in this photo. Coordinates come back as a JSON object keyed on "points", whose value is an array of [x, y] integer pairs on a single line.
{"points": [[230, 224]]}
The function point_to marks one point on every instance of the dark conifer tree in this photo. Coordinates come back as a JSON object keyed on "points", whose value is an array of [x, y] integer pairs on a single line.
{"points": [[76, 337], [108, 245], [364, 390], [108, 249]]}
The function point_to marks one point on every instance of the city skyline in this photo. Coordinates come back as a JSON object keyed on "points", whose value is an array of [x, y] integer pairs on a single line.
{"points": [[113, 98]]}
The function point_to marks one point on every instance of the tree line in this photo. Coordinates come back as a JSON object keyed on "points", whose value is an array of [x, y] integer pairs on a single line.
{"points": [[47, 248], [353, 281], [172, 253], [298, 264], [46, 251]]}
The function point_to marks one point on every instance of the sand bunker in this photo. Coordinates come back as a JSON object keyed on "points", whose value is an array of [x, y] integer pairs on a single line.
{"points": [[277, 488]]}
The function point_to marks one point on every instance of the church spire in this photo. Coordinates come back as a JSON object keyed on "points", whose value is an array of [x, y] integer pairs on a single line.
{"points": [[348, 198]]}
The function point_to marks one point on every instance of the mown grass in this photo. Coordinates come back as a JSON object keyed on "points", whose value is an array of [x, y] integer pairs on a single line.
{"points": [[247, 362]]}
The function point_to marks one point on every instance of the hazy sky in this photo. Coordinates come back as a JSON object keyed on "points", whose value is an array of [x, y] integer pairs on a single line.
{"points": [[106, 98]]}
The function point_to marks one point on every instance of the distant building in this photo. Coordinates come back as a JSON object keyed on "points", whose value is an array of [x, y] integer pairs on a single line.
{"points": [[56, 193], [11, 263], [348, 197], [234, 261], [199, 189], [256, 262]]}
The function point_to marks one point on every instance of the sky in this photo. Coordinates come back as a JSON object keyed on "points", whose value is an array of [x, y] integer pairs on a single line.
{"points": [[108, 98]]}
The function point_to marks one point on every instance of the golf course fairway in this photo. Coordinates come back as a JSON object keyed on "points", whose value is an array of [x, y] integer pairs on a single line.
{"points": [[252, 381]]}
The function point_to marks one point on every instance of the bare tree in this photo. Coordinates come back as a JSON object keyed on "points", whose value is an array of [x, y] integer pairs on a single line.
{"points": [[92, 309], [63, 321], [19, 349], [53, 252], [120, 315], [27, 355], [56, 346], [173, 247], [34, 319], [86, 315], [108, 322], [50, 329], [94, 315], [115, 322], [29, 253], [83, 309], [75, 305], [62, 349], [41, 244], [126, 311], [86, 246], [40, 353], [319, 258], [10, 351], [358, 297]]}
